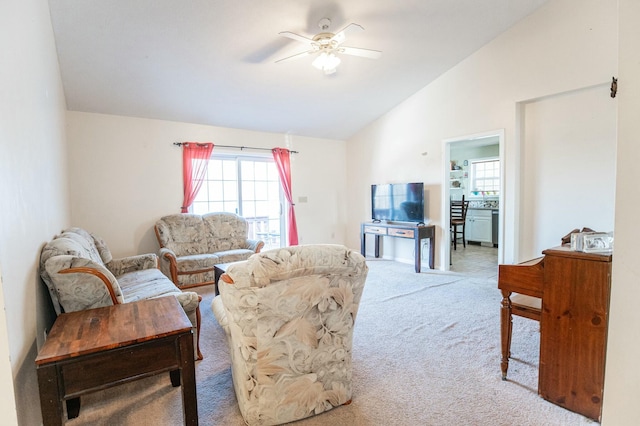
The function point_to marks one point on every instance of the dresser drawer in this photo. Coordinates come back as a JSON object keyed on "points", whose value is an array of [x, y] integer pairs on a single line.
{"points": [[399, 232], [372, 229]]}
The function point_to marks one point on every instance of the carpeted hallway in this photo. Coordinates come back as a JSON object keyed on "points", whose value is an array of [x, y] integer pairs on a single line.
{"points": [[426, 352]]}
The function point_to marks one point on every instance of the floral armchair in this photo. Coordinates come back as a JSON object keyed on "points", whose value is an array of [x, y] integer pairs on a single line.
{"points": [[289, 315]]}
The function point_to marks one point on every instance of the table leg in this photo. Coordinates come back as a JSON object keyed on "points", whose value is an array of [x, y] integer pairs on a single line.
{"points": [[432, 251], [188, 380], [506, 327], [73, 408], [50, 399], [174, 375], [418, 252]]}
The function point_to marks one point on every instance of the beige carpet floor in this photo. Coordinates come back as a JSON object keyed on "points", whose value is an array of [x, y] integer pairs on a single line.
{"points": [[426, 352]]}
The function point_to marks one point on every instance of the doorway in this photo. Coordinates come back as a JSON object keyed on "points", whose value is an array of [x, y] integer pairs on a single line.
{"points": [[474, 168]]}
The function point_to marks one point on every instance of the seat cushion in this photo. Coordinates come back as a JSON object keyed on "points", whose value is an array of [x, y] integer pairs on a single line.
{"points": [[145, 284], [197, 262], [237, 255]]}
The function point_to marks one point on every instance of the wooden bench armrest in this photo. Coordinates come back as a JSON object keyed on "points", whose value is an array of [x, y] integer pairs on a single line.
{"points": [[96, 273]]}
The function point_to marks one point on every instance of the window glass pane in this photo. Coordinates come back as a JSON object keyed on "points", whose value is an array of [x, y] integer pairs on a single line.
{"points": [[485, 176], [229, 171], [214, 192], [246, 169], [248, 209], [274, 189], [231, 207], [217, 206], [262, 208], [274, 209], [230, 190], [199, 207], [202, 194], [261, 191], [272, 172], [214, 169], [248, 190], [261, 170]]}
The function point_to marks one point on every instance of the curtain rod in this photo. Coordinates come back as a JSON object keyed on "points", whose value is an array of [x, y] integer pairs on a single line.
{"points": [[236, 147]]}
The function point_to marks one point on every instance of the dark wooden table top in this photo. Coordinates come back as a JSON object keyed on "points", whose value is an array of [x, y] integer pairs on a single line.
{"points": [[94, 330]]}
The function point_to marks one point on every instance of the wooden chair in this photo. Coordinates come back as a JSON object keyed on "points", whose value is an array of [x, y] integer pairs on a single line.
{"points": [[521, 287], [458, 217]]}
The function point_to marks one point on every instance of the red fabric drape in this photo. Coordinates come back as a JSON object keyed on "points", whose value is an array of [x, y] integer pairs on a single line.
{"points": [[195, 157], [282, 159]]}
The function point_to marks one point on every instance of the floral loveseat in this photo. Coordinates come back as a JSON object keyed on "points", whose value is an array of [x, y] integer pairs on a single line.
{"points": [[191, 245], [80, 273], [288, 315]]}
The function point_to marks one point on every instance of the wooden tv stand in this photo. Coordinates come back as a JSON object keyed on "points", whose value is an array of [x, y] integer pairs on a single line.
{"points": [[400, 230]]}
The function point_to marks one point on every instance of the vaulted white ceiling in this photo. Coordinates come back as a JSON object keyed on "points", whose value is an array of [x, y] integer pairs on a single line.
{"points": [[213, 61]]}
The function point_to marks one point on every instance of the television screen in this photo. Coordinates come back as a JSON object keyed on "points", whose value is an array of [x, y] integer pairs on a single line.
{"points": [[398, 202]]}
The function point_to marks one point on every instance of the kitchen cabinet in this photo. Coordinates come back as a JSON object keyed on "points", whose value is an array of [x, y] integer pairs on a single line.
{"points": [[479, 225]]}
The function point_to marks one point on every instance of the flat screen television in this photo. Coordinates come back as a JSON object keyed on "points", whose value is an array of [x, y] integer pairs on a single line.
{"points": [[398, 202]]}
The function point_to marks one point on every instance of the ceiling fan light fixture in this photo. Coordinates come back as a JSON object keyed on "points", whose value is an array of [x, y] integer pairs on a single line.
{"points": [[326, 61]]}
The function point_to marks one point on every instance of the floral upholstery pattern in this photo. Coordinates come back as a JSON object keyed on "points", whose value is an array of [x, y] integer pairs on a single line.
{"points": [[289, 318], [131, 278], [191, 245]]}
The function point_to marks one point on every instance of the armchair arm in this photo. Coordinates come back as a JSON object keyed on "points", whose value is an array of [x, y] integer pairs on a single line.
{"points": [[132, 263], [169, 264], [255, 245], [79, 283], [97, 273]]}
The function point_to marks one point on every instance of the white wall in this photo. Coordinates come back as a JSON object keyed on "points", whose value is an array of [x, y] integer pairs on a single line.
{"points": [[622, 380], [33, 190], [464, 152], [125, 173], [566, 45]]}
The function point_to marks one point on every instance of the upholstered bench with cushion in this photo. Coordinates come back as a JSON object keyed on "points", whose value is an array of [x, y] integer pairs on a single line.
{"points": [[191, 245], [80, 273]]}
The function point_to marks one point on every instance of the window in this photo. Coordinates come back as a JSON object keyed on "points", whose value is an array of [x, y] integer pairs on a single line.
{"points": [[249, 187], [485, 176]]}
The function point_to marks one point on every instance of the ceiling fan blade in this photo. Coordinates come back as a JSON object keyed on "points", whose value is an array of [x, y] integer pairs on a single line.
{"points": [[341, 35], [357, 51], [296, 56], [296, 37]]}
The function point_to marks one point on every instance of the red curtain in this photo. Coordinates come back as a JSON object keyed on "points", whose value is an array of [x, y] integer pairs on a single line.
{"points": [[195, 157], [282, 159]]}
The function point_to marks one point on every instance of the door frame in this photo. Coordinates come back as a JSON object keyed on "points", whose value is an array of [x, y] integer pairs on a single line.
{"points": [[471, 140]]}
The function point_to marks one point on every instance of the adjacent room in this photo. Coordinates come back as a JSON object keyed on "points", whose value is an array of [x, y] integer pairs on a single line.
{"points": [[521, 113]]}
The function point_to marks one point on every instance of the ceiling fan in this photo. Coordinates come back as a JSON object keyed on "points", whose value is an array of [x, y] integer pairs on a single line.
{"points": [[327, 46]]}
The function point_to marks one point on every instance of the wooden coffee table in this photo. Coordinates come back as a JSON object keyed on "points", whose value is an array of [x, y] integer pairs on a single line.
{"points": [[98, 348]]}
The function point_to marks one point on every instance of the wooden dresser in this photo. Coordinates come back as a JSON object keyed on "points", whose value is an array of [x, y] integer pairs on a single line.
{"points": [[573, 329]]}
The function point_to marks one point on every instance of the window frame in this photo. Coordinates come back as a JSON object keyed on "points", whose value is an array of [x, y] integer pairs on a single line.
{"points": [[474, 190]]}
